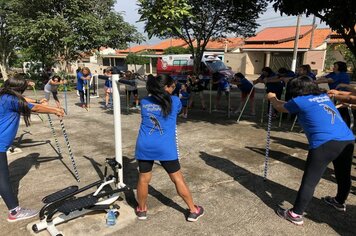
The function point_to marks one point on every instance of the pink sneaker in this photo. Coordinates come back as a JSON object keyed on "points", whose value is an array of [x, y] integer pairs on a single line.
{"points": [[21, 214]]}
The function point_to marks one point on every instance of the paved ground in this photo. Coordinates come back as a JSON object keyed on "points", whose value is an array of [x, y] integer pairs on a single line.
{"points": [[222, 162]]}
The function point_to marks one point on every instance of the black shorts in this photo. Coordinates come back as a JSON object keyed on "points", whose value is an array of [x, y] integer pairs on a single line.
{"points": [[135, 92], [169, 166]]}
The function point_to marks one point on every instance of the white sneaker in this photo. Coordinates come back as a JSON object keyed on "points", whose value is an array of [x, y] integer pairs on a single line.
{"points": [[21, 214]]}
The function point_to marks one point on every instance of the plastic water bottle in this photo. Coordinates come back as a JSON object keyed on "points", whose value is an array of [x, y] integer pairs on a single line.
{"points": [[110, 217]]}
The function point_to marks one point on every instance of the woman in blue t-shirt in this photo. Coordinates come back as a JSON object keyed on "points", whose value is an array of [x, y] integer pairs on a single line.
{"points": [[83, 79], [268, 77], [157, 140], [336, 77], [12, 106], [330, 140]]}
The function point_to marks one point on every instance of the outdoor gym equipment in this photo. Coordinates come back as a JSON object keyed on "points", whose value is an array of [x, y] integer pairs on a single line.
{"points": [[70, 151], [268, 142], [351, 117], [243, 108], [67, 205], [65, 100], [54, 134], [35, 93]]}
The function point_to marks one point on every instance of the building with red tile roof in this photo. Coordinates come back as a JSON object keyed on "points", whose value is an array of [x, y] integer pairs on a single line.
{"points": [[274, 46]]}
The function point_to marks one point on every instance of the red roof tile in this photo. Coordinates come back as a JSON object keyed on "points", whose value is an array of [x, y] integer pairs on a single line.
{"points": [[278, 34], [135, 49], [168, 43], [320, 36]]}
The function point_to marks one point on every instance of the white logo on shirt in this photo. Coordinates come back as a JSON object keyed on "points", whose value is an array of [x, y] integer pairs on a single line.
{"points": [[156, 124], [330, 111]]}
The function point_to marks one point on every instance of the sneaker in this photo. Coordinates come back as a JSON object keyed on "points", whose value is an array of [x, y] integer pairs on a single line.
{"points": [[21, 214], [194, 216], [287, 214], [141, 215], [332, 202]]}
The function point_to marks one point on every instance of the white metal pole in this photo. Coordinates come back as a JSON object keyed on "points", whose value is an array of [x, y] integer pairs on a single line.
{"points": [[295, 51], [117, 127]]}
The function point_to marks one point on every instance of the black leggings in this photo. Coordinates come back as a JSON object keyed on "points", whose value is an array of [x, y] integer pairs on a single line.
{"points": [[338, 152], [81, 95], [6, 191]]}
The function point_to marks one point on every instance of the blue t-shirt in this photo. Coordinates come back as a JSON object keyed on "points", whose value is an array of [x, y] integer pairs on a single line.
{"points": [[185, 98], [320, 119], [338, 78], [80, 81], [224, 84], [274, 87], [9, 120], [157, 138], [245, 86], [312, 75], [108, 83]]}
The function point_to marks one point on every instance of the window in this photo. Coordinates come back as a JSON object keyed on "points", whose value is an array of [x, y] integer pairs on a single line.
{"points": [[106, 61], [180, 62]]}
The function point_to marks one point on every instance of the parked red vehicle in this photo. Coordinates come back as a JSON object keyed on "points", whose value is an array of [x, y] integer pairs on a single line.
{"points": [[180, 65]]}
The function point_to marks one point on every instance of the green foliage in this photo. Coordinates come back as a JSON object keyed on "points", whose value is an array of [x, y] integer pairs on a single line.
{"points": [[196, 22], [136, 59], [53, 31], [338, 14], [176, 50]]}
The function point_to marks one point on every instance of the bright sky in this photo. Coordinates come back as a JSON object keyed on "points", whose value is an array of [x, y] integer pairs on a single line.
{"points": [[268, 19]]}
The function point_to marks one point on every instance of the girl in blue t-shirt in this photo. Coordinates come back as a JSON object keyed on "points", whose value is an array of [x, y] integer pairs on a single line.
{"points": [[12, 106], [108, 85], [184, 98], [83, 78], [157, 140], [272, 83], [245, 87], [336, 77], [330, 140]]}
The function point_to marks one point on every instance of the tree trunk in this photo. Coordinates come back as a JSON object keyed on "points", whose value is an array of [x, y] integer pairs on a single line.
{"points": [[3, 71]]}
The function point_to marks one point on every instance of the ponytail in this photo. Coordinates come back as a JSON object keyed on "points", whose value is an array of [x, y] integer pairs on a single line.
{"points": [[156, 87], [15, 86]]}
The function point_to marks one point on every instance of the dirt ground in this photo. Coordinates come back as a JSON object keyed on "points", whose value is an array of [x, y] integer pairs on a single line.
{"points": [[222, 162]]}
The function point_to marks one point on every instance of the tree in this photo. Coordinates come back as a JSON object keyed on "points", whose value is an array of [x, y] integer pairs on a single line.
{"points": [[136, 59], [176, 50], [196, 22], [62, 31], [7, 40], [340, 15]]}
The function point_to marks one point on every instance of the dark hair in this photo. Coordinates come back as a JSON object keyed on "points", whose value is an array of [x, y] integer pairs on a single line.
{"points": [[239, 75], [156, 87], [268, 70], [283, 70], [304, 85], [15, 86], [342, 67], [109, 69], [56, 77]]}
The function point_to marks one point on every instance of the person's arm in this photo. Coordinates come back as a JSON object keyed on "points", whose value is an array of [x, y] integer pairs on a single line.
{"points": [[323, 80], [273, 79], [347, 86], [41, 101], [277, 104], [39, 108], [341, 96], [258, 80]]}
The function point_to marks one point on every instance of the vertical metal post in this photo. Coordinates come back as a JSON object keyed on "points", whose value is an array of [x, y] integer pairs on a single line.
{"points": [[265, 172], [117, 126], [243, 108]]}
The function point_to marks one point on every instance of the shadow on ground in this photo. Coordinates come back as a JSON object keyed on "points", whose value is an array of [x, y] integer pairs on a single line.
{"points": [[274, 194]]}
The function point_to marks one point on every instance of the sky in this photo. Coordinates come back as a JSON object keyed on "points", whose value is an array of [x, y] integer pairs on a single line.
{"points": [[270, 18]]}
